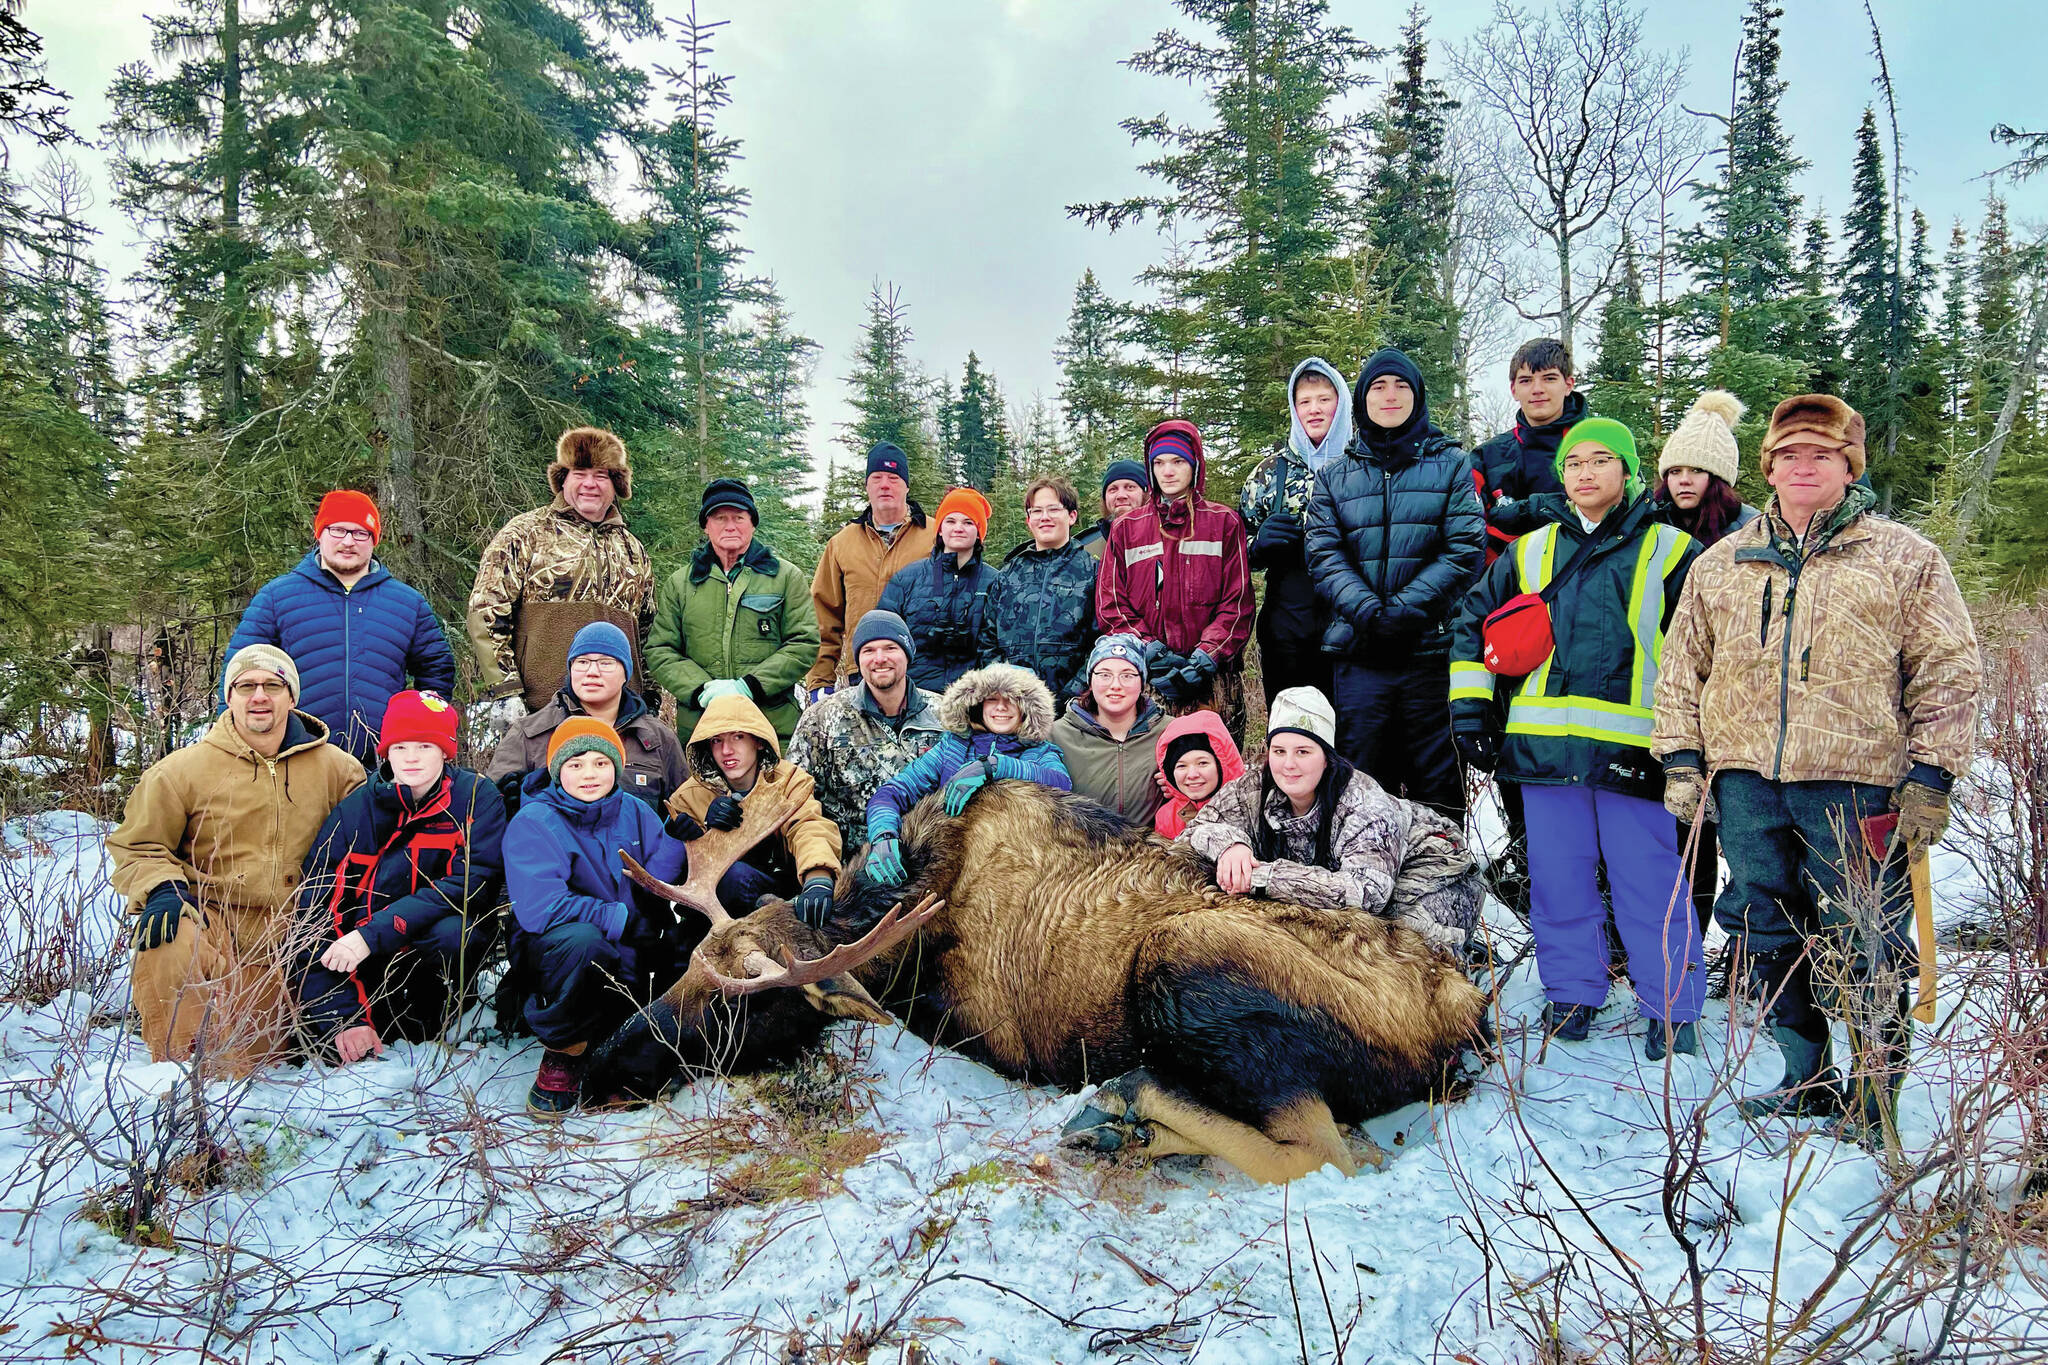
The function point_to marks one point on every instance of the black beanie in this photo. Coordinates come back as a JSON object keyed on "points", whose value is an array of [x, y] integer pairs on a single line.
{"points": [[1180, 746], [885, 458], [727, 493], [1126, 469]]}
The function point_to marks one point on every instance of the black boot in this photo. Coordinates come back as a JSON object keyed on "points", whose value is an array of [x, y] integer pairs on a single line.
{"points": [[1809, 1084]]}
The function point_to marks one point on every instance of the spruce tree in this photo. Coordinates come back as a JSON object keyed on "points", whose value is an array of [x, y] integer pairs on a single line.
{"points": [[1954, 329], [1815, 339], [977, 437], [1622, 385], [1410, 203], [1867, 277], [1998, 318], [1748, 310], [1095, 382], [1259, 182], [889, 396]]}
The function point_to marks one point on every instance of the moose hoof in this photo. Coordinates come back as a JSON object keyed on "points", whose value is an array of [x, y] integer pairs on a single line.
{"points": [[1091, 1130], [1105, 1123]]}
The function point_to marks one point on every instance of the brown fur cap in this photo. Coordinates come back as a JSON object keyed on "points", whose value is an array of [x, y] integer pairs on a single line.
{"points": [[591, 448], [1821, 418], [963, 700]]}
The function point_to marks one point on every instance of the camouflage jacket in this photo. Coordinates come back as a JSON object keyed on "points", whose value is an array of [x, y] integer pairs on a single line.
{"points": [[1041, 614], [545, 576], [1391, 857], [1869, 672], [850, 749]]}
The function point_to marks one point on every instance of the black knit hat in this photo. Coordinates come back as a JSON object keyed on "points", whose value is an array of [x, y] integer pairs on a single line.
{"points": [[727, 493], [883, 625], [1125, 469], [1180, 746], [885, 458]]}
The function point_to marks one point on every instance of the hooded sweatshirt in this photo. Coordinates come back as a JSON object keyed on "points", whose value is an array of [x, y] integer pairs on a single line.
{"points": [[1290, 618], [811, 840], [1173, 816], [1027, 753], [1176, 569]]}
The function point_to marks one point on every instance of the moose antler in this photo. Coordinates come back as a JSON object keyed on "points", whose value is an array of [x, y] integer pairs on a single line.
{"points": [[713, 853], [893, 928]]}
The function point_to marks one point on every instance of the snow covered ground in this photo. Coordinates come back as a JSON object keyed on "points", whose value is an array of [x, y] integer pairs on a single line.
{"points": [[894, 1202]]}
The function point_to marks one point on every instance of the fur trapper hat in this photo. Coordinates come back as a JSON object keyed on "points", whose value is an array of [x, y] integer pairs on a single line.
{"points": [[963, 700], [1821, 418], [591, 448], [1705, 438]]}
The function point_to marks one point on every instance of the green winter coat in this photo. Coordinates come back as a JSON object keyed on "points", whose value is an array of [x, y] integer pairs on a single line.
{"points": [[756, 626]]}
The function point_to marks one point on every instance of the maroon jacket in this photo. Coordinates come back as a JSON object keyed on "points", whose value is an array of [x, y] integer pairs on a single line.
{"points": [[1176, 571]]}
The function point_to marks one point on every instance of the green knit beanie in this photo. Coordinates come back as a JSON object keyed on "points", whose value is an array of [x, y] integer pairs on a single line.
{"points": [[1607, 432]]}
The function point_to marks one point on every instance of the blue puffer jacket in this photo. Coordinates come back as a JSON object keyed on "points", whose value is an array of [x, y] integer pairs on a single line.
{"points": [[562, 858], [355, 647], [391, 866], [945, 606]]}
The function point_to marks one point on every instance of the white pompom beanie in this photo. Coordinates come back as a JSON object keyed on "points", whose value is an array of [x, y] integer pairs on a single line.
{"points": [[1705, 439]]}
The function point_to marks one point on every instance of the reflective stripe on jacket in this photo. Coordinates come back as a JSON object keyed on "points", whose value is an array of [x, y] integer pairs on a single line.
{"points": [[1587, 713]]}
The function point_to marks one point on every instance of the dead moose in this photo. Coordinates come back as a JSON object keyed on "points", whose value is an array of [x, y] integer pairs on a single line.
{"points": [[1056, 945]]}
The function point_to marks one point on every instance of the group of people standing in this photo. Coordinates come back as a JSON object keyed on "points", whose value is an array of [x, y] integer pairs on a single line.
{"points": [[1545, 609]]}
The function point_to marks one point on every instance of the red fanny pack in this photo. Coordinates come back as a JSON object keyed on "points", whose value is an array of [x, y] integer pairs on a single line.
{"points": [[1517, 636]]}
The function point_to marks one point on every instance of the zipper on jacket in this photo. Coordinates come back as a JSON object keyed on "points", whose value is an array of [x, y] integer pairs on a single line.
{"points": [[1785, 679], [348, 701], [1763, 625], [1386, 528]]}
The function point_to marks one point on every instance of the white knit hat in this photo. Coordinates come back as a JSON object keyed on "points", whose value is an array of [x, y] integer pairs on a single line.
{"points": [[1305, 711], [1706, 438]]}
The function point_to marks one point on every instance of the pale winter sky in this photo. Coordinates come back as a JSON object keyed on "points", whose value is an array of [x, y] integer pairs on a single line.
{"points": [[935, 143]]}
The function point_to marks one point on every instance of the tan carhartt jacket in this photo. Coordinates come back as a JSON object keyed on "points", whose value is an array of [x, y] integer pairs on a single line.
{"points": [[1851, 658], [230, 823], [857, 564]]}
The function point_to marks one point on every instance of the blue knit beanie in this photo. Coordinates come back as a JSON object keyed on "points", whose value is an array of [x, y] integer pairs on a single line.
{"points": [[602, 637]]}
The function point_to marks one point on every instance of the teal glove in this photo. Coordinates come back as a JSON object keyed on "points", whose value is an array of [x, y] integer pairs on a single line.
{"points": [[885, 862], [964, 785], [720, 687]]}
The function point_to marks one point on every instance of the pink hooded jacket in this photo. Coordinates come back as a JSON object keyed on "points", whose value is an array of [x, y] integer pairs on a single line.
{"points": [[1173, 817]]}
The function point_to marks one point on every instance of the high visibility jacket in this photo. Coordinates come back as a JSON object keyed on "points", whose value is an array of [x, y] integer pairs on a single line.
{"points": [[1585, 716]]}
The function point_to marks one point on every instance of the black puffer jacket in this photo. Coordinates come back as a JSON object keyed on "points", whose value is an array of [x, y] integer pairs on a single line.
{"points": [[945, 606], [1395, 537]]}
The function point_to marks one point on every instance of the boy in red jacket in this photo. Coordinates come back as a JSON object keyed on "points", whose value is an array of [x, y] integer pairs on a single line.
{"points": [[1175, 574]]}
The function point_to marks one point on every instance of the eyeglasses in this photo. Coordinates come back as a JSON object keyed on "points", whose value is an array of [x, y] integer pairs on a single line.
{"points": [[1591, 466], [1109, 676], [350, 535], [596, 663], [278, 688]]}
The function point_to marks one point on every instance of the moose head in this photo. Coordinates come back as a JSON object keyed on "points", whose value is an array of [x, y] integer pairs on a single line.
{"points": [[758, 988]]}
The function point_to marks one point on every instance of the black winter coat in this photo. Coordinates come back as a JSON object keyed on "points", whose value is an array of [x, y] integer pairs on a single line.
{"points": [[1518, 466], [391, 867], [1392, 547], [1290, 615], [1552, 737], [945, 606]]}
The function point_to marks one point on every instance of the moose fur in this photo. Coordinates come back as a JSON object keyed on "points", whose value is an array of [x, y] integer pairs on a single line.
{"points": [[1073, 949]]}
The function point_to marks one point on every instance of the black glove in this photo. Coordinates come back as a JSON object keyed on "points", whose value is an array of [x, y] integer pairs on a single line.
{"points": [[814, 902], [1279, 534], [508, 787], [725, 812], [1479, 748], [683, 825], [1199, 673], [158, 922]]}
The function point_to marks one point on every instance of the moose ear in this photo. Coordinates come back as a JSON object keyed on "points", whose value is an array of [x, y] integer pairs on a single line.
{"points": [[843, 997]]}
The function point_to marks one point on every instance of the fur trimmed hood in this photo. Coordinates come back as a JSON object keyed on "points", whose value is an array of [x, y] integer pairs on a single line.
{"points": [[1021, 685], [591, 448]]}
